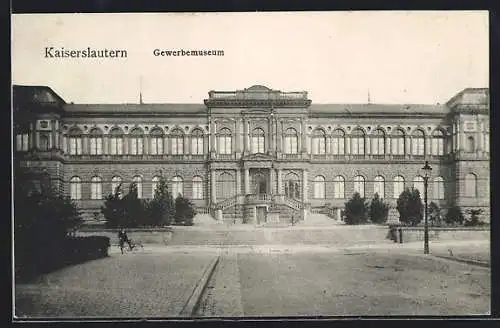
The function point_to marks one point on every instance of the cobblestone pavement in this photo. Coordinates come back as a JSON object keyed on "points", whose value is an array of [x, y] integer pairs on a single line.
{"points": [[364, 283], [267, 280], [129, 285]]}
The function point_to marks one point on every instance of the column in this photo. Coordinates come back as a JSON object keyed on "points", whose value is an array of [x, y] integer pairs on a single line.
{"points": [[85, 145], [279, 135], [368, 146], [245, 135], [328, 146], [246, 181], [238, 181], [238, 136], [427, 145], [408, 145], [126, 144], [165, 145], [186, 144], [145, 144], [304, 186], [299, 141], [212, 136], [272, 180], [481, 136], [387, 145], [461, 135], [54, 134], [212, 187], [303, 135], [280, 186], [32, 135], [105, 146]]}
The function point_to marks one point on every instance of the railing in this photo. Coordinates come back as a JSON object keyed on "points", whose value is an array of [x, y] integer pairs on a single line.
{"points": [[260, 95]]}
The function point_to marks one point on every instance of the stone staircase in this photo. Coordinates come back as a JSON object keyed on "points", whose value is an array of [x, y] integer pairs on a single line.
{"points": [[244, 235]]}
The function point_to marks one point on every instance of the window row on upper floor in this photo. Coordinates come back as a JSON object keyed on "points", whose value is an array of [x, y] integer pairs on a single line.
{"points": [[317, 144]]}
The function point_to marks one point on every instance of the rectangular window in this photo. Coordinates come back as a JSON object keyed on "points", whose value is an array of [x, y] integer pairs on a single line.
{"points": [[438, 146], [95, 146], [136, 146], [96, 190], [177, 146], [197, 146], [398, 146], [75, 146], [417, 146], [116, 145], [156, 146], [22, 142]]}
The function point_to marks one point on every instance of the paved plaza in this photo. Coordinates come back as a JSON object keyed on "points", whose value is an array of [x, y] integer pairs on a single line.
{"points": [[163, 281]]}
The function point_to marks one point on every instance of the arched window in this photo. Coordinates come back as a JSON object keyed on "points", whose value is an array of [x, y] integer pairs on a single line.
{"points": [[197, 142], [379, 186], [359, 185], [138, 183], [291, 141], [155, 182], [22, 141], [75, 141], [258, 141], [418, 183], [177, 186], [116, 141], [75, 186], [319, 187], [156, 142], [338, 187], [225, 138], [398, 142], [358, 142], [471, 146], [399, 186], [470, 185], [115, 184], [438, 188], [292, 186], [438, 143], [177, 141], [96, 188], [318, 142], [338, 142], [95, 141], [197, 188], [378, 143], [418, 143]]}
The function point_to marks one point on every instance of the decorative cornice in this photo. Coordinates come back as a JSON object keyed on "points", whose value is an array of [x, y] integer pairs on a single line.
{"points": [[246, 103]]}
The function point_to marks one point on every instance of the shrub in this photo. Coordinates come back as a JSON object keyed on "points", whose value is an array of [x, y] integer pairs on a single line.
{"points": [[113, 209], [160, 211], [454, 215], [184, 211], [378, 210], [474, 219], [410, 206], [434, 214], [356, 210]]}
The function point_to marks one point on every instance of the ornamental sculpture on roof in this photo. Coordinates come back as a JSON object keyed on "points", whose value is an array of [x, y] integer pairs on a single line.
{"points": [[257, 95]]}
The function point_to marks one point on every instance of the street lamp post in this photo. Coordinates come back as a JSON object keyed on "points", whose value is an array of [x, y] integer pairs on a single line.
{"points": [[427, 172]]}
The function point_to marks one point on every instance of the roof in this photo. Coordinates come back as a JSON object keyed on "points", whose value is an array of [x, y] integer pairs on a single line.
{"points": [[378, 109], [39, 94], [135, 108]]}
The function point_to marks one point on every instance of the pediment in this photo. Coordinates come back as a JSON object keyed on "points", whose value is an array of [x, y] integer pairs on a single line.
{"points": [[258, 157]]}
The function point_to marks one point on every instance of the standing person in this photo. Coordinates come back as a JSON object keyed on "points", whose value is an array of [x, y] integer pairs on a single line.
{"points": [[123, 238]]}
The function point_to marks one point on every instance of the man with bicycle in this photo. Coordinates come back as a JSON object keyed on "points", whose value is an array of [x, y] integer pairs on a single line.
{"points": [[123, 238]]}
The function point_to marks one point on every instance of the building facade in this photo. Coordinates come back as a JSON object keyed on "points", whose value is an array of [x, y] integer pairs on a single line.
{"points": [[242, 154]]}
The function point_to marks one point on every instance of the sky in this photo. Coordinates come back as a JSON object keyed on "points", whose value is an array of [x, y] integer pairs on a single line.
{"points": [[338, 57]]}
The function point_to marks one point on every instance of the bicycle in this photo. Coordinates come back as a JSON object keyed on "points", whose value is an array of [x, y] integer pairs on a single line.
{"points": [[131, 246]]}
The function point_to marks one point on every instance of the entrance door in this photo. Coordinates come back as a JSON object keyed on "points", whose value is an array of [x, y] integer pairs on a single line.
{"points": [[260, 183], [261, 214]]}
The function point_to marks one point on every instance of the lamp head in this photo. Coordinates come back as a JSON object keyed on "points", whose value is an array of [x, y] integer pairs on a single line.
{"points": [[427, 169]]}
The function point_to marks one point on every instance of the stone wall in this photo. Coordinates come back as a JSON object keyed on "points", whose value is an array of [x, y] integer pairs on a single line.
{"points": [[412, 234]]}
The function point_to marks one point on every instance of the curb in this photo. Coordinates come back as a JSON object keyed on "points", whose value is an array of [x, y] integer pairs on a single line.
{"points": [[192, 303], [462, 260]]}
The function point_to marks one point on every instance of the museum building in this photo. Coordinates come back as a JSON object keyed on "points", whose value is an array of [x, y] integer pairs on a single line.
{"points": [[244, 155]]}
